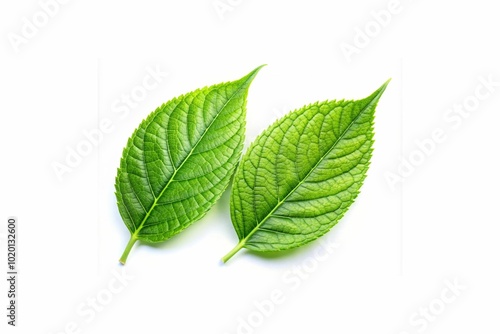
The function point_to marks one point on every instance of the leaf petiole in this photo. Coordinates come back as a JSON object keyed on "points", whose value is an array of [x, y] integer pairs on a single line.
{"points": [[233, 251], [131, 242]]}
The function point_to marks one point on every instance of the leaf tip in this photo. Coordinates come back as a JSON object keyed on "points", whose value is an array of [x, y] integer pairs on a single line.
{"points": [[250, 76], [384, 86], [259, 68], [375, 96]]}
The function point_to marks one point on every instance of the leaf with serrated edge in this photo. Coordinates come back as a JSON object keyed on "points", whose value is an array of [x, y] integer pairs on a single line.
{"points": [[180, 159], [300, 175]]}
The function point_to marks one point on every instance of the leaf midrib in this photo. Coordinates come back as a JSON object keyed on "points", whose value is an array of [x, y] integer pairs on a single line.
{"points": [[257, 227], [139, 228]]}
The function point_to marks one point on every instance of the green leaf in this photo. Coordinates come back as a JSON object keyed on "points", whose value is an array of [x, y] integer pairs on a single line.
{"points": [[180, 159], [301, 174]]}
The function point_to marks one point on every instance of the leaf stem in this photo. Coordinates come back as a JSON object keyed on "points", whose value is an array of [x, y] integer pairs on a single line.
{"points": [[233, 251], [131, 242]]}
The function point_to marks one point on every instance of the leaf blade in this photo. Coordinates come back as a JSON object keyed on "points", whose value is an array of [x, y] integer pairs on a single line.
{"points": [[289, 190]]}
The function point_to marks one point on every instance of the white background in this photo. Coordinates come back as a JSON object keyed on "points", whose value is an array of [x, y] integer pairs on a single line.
{"points": [[395, 250]]}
